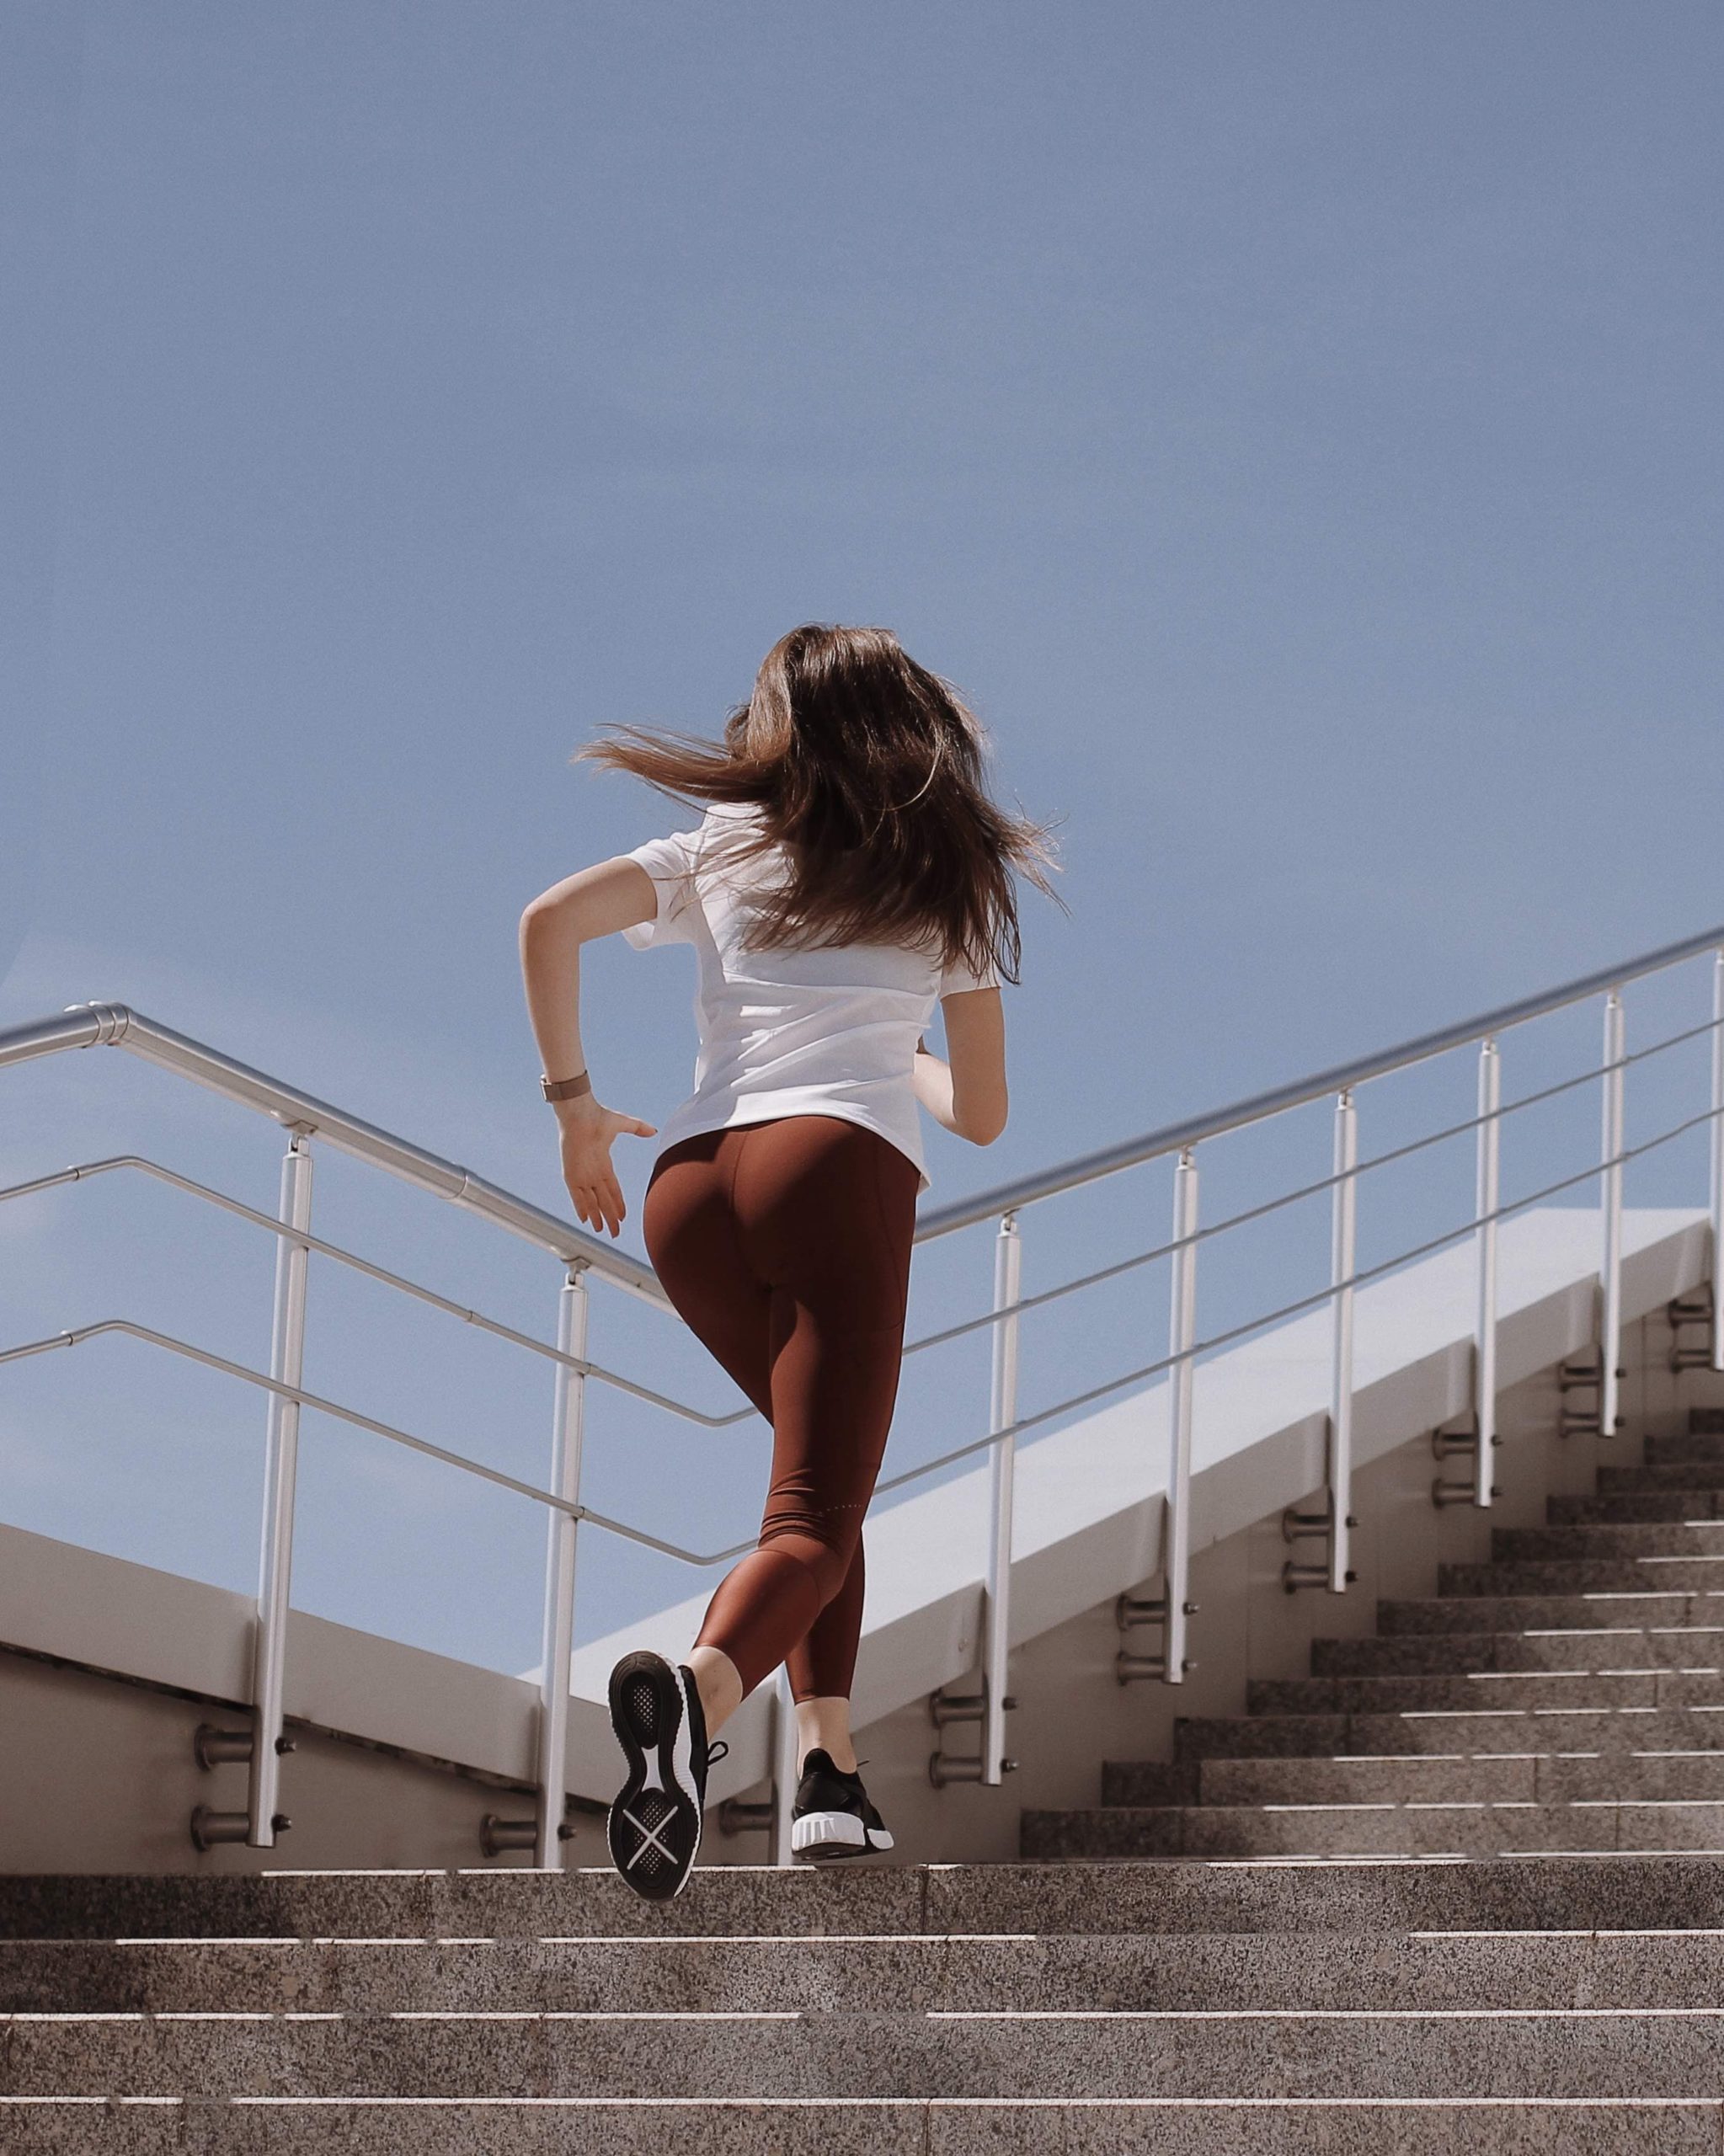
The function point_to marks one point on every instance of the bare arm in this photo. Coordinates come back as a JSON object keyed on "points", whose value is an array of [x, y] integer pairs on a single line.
{"points": [[968, 1095], [601, 900]]}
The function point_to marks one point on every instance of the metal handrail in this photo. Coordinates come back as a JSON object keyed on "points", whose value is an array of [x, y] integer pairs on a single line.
{"points": [[1315, 1189], [1176, 1138], [86, 1169], [75, 1336], [1301, 1306], [116, 1025]]}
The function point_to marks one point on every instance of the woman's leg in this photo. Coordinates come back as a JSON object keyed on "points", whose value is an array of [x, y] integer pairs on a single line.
{"points": [[690, 1229], [825, 1211], [821, 1666]]}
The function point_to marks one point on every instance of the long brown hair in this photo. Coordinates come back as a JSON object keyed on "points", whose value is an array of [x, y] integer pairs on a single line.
{"points": [[868, 770]]}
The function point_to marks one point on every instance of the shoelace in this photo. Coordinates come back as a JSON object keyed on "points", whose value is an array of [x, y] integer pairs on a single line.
{"points": [[717, 1750]]}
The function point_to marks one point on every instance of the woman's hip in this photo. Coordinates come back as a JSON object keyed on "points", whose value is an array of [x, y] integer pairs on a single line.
{"points": [[810, 1200]]}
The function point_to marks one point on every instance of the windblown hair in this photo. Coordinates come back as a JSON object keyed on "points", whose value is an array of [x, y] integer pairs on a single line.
{"points": [[868, 770]]}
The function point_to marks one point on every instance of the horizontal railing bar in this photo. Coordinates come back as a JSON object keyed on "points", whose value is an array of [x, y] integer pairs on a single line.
{"points": [[112, 1024], [987, 1318], [1296, 1196], [88, 1169], [132, 1330], [115, 1025], [314, 1400], [1092, 1167], [1288, 1310], [1453, 1234]]}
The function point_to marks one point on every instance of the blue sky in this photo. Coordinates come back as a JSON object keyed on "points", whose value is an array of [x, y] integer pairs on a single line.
{"points": [[1295, 428]]}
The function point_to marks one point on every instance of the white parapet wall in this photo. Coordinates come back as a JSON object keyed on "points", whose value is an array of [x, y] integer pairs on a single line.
{"points": [[110, 1666]]}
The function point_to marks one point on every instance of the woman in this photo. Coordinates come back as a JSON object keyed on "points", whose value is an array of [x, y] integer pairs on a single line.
{"points": [[849, 872]]}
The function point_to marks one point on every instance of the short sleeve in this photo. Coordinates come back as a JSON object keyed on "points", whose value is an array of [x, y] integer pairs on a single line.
{"points": [[958, 977], [669, 862]]}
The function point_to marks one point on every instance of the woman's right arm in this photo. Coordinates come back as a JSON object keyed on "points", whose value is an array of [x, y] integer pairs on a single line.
{"points": [[967, 1095]]}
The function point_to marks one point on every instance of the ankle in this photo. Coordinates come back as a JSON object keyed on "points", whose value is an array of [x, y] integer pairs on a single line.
{"points": [[719, 1686]]}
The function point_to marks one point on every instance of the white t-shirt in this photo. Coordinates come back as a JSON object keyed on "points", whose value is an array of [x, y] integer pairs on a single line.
{"points": [[788, 1031]]}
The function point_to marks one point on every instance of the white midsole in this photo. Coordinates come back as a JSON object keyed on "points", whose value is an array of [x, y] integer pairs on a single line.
{"points": [[819, 1829]]}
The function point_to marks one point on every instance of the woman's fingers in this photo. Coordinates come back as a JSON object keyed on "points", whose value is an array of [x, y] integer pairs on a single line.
{"points": [[592, 1183], [599, 1204]]}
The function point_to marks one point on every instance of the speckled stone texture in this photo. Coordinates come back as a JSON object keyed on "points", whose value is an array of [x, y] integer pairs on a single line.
{"points": [[1698, 1475], [1512, 1613], [458, 1904], [1102, 2128], [1616, 1647], [1558, 2051]]}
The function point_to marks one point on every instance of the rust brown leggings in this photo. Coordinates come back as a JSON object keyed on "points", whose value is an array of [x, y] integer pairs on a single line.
{"points": [[786, 1247]]}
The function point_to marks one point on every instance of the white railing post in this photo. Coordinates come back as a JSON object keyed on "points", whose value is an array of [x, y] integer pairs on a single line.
{"points": [[1717, 1193], [1342, 1264], [1002, 1413], [785, 1747], [1484, 1365], [1610, 1325], [567, 1435], [280, 1480], [1182, 1337]]}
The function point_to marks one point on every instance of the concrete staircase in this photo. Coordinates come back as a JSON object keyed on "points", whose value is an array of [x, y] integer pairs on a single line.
{"points": [[1567, 1697], [1284, 1949]]}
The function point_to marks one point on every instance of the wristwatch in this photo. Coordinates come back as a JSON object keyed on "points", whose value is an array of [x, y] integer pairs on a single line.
{"points": [[565, 1089]]}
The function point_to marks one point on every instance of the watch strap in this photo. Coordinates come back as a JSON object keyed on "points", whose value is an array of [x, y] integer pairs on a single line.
{"points": [[565, 1089]]}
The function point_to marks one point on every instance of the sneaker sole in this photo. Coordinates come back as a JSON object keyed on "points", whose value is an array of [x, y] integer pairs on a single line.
{"points": [[653, 1827], [821, 1836]]}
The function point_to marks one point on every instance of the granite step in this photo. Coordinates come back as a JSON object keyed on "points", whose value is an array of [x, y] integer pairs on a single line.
{"points": [[1547, 1777], [1612, 1648], [1069, 1973], [1498, 1691], [1698, 1475], [753, 1900], [1601, 1730], [1434, 1829], [1168, 2053], [1512, 1546], [1684, 1445], [1675, 1503], [987, 1900], [1146, 2126], [1680, 1574], [1635, 1607]]}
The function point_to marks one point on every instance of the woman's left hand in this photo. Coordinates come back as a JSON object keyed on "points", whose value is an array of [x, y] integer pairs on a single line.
{"points": [[587, 1132]]}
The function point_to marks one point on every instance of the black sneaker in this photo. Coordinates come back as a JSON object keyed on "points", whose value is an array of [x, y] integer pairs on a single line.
{"points": [[655, 1825], [833, 1816]]}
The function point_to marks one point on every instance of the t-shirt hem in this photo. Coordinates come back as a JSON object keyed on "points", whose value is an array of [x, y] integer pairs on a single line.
{"points": [[747, 1112]]}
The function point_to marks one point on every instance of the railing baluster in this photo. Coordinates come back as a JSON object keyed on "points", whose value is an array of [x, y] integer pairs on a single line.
{"points": [[1342, 1259], [1718, 1160], [1484, 1365], [1182, 1336], [280, 1480], [1610, 1325], [1002, 1413], [567, 1437]]}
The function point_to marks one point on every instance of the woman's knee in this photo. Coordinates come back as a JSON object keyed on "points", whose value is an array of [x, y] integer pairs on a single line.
{"points": [[826, 1558]]}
